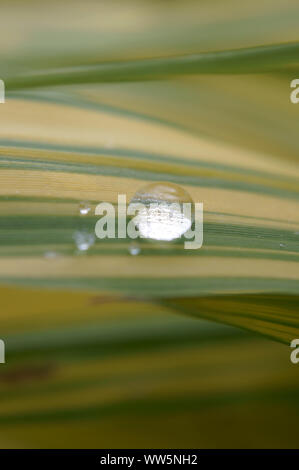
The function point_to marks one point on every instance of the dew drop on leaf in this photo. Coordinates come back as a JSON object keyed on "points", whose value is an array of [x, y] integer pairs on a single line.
{"points": [[83, 239], [162, 216], [84, 208], [50, 254], [134, 248]]}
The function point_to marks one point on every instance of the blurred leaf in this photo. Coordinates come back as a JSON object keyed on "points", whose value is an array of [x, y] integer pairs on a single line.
{"points": [[101, 348]]}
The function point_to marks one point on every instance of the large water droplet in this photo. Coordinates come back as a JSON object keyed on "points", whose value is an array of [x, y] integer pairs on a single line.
{"points": [[162, 217], [83, 239]]}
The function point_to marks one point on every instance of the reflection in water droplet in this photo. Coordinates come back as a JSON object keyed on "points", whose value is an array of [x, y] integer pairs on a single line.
{"points": [[84, 208], [83, 239], [134, 248], [162, 217]]}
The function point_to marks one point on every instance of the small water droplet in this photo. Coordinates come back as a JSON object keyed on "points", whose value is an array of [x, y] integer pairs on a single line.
{"points": [[162, 217], [109, 144], [282, 245], [134, 248], [50, 254], [84, 207], [83, 239]]}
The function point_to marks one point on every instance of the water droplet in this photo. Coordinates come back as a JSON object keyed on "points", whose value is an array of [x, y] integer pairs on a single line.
{"points": [[83, 239], [282, 245], [134, 248], [162, 216], [50, 254], [109, 144], [84, 208]]}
